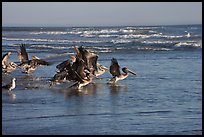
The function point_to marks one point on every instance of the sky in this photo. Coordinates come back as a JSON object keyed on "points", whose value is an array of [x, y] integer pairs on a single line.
{"points": [[100, 13]]}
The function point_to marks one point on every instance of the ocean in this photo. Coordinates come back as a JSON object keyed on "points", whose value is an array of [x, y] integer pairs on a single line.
{"points": [[164, 98]]}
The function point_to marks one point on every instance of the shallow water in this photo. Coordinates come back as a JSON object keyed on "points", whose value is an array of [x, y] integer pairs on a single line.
{"points": [[164, 98]]}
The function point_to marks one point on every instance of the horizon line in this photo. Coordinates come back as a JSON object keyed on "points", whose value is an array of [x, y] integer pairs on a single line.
{"points": [[97, 25]]}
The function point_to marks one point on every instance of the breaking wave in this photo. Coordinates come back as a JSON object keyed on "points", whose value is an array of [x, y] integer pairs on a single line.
{"points": [[107, 39]]}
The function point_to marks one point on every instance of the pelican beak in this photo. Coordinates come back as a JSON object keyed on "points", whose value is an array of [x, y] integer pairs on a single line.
{"points": [[132, 72], [105, 68]]}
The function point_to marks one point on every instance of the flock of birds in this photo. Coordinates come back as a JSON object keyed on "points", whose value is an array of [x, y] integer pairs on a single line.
{"points": [[81, 68]]}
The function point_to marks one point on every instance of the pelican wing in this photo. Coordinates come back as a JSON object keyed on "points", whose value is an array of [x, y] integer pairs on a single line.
{"points": [[42, 62], [22, 54], [115, 68], [77, 52], [92, 63], [39, 61], [80, 69], [64, 65], [90, 58], [60, 76]]}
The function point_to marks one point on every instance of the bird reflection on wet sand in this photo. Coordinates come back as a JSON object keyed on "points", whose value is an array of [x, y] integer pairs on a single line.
{"points": [[114, 89], [90, 89]]}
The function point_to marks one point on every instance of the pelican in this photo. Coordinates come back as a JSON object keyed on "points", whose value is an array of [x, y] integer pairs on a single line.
{"points": [[65, 65], [74, 71], [80, 68], [101, 69], [10, 86], [10, 67], [7, 66], [81, 82], [64, 72], [89, 58], [115, 71], [5, 60], [29, 65], [91, 61]]}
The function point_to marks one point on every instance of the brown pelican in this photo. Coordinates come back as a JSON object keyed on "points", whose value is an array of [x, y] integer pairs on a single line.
{"points": [[64, 72], [29, 65], [5, 60], [81, 82], [10, 67], [89, 58], [91, 61], [65, 65], [115, 71], [10, 85], [100, 70], [80, 69], [7, 66], [75, 71]]}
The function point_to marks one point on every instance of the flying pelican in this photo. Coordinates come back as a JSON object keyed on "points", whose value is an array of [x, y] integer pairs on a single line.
{"points": [[81, 68], [89, 58], [115, 71], [72, 71], [91, 61], [29, 65]]}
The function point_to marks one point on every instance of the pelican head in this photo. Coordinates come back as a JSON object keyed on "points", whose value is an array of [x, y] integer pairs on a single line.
{"points": [[13, 64], [101, 67], [9, 53], [35, 57], [13, 79], [126, 70]]}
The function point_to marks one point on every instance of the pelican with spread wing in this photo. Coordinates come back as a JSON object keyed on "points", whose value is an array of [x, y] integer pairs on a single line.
{"points": [[115, 72]]}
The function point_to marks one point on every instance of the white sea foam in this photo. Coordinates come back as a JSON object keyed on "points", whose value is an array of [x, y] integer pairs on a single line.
{"points": [[197, 45], [171, 37], [188, 43], [157, 42], [120, 41], [53, 47], [53, 41], [103, 31], [87, 35], [107, 35], [128, 30], [154, 49], [134, 36], [55, 32]]}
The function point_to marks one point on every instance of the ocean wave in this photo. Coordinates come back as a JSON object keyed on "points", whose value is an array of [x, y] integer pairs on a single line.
{"points": [[51, 40], [120, 41], [157, 42], [134, 36], [87, 35], [189, 44], [51, 46], [126, 33], [103, 31], [55, 32], [107, 35]]}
